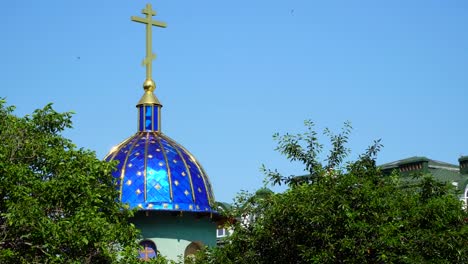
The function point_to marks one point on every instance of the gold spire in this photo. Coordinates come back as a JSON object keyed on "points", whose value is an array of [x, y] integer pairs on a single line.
{"points": [[149, 85]]}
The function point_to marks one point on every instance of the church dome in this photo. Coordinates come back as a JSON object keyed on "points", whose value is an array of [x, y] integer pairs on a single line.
{"points": [[156, 173]]}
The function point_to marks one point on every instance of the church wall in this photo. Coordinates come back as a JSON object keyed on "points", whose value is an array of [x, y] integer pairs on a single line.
{"points": [[172, 232]]}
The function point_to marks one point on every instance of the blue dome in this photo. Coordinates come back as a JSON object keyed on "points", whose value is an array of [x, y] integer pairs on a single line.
{"points": [[156, 173]]}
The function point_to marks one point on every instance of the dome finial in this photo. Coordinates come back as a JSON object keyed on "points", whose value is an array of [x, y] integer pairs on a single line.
{"points": [[149, 85]]}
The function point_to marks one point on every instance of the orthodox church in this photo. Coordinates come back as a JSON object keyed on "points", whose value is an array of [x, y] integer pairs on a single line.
{"points": [[176, 207]]}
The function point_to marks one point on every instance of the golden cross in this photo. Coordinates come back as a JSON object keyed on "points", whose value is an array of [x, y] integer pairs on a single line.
{"points": [[149, 12], [147, 251]]}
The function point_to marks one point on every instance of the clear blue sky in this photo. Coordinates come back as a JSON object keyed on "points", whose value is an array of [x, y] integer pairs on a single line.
{"points": [[231, 73]]}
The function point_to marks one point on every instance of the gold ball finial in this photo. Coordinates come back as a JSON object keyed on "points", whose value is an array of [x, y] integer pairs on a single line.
{"points": [[149, 85]]}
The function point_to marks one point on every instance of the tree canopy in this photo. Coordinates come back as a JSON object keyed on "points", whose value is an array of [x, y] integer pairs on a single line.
{"points": [[345, 213], [57, 202]]}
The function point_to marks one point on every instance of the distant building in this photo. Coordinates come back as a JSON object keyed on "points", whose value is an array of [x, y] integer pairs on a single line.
{"points": [[244, 219], [221, 231], [457, 175]]}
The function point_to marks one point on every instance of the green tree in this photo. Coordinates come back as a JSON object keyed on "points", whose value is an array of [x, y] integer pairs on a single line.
{"points": [[57, 202], [346, 213]]}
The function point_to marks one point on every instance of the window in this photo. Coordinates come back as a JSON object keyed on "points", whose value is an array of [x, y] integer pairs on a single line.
{"points": [[221, 232], [148, 250]]}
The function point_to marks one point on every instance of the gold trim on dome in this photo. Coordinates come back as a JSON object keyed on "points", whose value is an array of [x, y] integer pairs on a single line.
{"points": [[146, 164], [188, 171], [169, 174], [137, 137], [138, 119], [152, 118], [159, 118], [209, 190], [144, 117], [207, 185], [116, 149], [206, 181]]}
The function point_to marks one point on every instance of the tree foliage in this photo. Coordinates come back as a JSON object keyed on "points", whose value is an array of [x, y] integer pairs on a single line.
{"points": [[346, 213], [57, 202]]}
